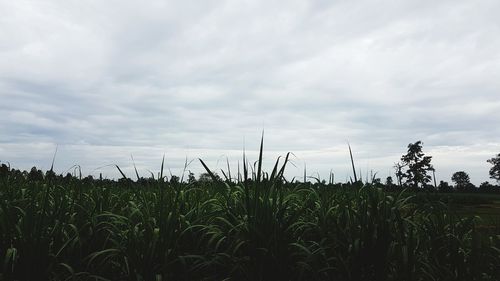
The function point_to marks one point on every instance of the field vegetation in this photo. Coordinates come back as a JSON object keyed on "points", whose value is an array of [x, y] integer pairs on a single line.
{"points": [[253, 225]]}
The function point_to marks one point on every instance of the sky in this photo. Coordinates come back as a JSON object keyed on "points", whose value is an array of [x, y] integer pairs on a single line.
{"points": [[104, 80]]}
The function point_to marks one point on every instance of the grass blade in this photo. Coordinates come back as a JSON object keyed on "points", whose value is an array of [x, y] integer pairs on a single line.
{"points": [[352, 162], [121, 172], [135, 168], [259, 167], [53, 159], [162, 164], [275, 169], [228, 168], [214, 178]]}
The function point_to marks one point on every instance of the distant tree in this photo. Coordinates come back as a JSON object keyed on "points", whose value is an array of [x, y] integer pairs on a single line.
{"points": [[444, 187], [488, 187], [485, 184], [191, 178], [88, 179], [495, 170], [174, 179], [388, 181], [470, 187], [205, 177], [417, 165], [399, 173], [461, 180]]}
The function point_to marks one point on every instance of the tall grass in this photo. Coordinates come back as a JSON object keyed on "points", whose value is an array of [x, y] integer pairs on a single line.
{"points": [[258, 227]]}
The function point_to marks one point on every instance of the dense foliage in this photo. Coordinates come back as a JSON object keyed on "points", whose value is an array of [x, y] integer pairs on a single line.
{"points": [[417, 165], [495, 170], [66, 228]]}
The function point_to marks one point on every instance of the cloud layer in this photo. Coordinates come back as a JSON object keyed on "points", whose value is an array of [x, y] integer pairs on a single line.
{"points": [[104, 80]]}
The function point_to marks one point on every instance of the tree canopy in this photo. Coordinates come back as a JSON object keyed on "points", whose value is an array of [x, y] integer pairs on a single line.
{"points": [[417, 165], [461, 179], [495, 170]]}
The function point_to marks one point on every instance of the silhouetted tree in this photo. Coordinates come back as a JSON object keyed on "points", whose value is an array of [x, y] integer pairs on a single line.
{"points": [[88, 179], [205, 177], [495, 170], [388, 181], [191, 178], [174, 179], [444, 187], [488, 187], [461, 180], [470, 187], [417, 165], [399, 173]]}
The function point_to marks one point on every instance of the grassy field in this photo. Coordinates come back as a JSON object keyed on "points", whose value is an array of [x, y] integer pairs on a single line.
{"points": [[264, 228], [485, 206]]}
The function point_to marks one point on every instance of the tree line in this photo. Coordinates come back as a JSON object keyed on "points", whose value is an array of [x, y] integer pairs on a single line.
{"points": [[413, 171], [416, 171]]}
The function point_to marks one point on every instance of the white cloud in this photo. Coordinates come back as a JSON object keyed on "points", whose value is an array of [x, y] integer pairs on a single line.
{"points": [[106, 79]]}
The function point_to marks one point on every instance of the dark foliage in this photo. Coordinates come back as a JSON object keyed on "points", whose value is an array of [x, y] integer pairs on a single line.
{"points": [[55, 227], [495, 170], [417, 166]]}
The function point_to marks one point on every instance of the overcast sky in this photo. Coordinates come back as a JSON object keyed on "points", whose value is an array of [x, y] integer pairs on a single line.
{"points": [[104, 80]]}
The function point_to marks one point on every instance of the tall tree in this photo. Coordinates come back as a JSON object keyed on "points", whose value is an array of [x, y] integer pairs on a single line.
{"points": [[495, 170], [461, 179], [417, 165]]}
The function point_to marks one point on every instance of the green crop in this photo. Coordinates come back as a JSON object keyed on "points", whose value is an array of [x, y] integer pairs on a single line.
{"points": [[255, 226]]}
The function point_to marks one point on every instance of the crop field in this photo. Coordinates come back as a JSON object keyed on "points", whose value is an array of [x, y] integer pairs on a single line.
{"points": [[262, 228]]}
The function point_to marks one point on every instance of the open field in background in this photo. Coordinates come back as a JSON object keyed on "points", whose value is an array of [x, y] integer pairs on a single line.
{"points": [[484, 206], [264, 228]]}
